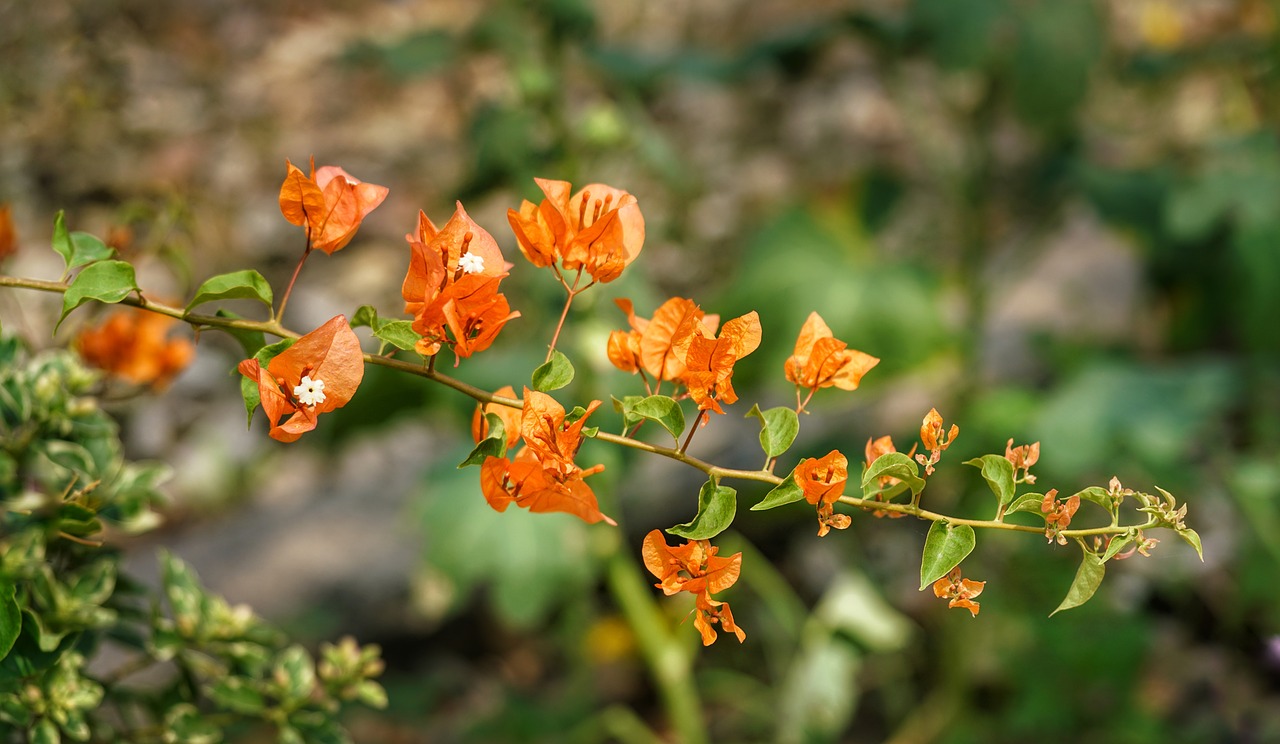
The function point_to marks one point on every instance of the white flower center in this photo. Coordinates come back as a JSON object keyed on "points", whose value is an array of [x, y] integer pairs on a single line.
{"points": [[470, 263], [309, 392]]}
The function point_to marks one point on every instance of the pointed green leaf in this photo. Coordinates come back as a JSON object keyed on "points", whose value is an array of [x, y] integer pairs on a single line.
{"points": [[662, 409], [998, 473], [493, 445], [626, 406], [786, 492], [1027, 502], [897, 465], [10, 618], [1088, 578], [250, 341], [716, 507], [1097, 495], [365, 315], [237, 285], [778, 428], [248, 387], [398, 333], [296, 673], [1117, 544], [236, 695], [1193, 539], [45, 732], [944, 547], [554, 374], [77, 248], [104, 281]]}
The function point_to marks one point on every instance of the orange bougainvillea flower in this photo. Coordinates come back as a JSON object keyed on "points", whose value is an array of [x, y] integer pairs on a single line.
{"points": [[821, 360], [931, 434], [1058, 514], [653, 346], [695, 568], [8, 237], [510, 418], [451, 287], [823, 481], [709, 359], [544, 476], [959, 591], [330, 204], [599, 229], [317, 374], [134, 345], [1023, 458]]}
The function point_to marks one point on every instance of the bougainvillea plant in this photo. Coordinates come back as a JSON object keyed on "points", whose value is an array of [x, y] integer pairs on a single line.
{"points": [[527, 447]]}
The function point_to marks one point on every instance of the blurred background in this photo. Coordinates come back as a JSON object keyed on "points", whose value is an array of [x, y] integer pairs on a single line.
{"points": [[1054, 221]]}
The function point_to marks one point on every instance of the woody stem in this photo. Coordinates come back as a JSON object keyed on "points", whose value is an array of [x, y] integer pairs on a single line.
{"points": [[289, 289]]}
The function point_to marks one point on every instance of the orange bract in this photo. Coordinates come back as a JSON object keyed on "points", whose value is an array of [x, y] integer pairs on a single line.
{"points": [[656, 346], [451, 287], [330, 204], [1058, 514], [695, 568], [599, 229], [959, 591], [823, 481], [134, 345], [544, 477], [821, 360], [8, 237], [317, 374], [709, 359]]}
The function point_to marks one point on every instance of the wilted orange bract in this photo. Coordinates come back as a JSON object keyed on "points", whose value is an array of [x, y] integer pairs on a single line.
{"points": [[134, 345], [709, 359], [695, 568], [823, 480], [330, 204], [451, 287], [1058, 514], [544, 477], [931, 435], [959, 591], [317, 374], [599, 229], [1023, 458], [821, 360]]}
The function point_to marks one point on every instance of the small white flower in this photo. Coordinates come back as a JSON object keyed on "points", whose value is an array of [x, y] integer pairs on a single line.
{"points": [[470, 263], [309, 392]]}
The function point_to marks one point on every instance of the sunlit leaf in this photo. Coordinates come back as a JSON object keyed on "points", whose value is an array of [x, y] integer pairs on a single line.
{"points": [[77, 248], [897, 465], [786, 492], [1193, 539], [716, 507], [554, 374], [778, 428], [663, 410], [998, 472], [237, 285]]}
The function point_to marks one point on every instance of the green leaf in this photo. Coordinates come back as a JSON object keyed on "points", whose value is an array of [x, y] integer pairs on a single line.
{"points": [[248, 387], [1099, 496], [237, 285], [366, 316], [944, 548], [45, 732], [998, 472], [235, 694], [554, 374], [10, 618], [371, 694], [1027, 502], [250, 341], [662, 409], [786, 492], [78, 248], [716, 507], [778, 428], [493, 445], [1088, 578], [104, 281], [1193, 539], [184, 723], [626, 406], [897, 465], [398, 333], [1117, 544]]}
